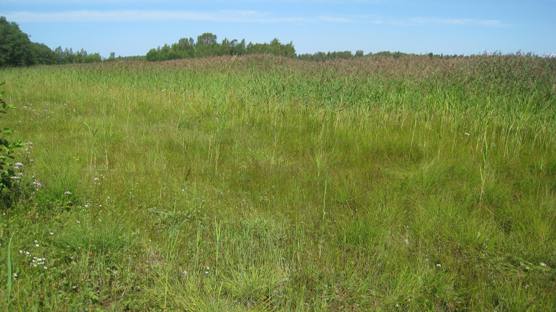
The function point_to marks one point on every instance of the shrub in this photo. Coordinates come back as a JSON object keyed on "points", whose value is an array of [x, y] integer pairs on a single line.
{"points": [[9, 168]]}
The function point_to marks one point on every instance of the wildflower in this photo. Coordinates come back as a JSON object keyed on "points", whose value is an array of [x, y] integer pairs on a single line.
{"points": [[37, 184], [18, 165], [38, 261], [67, 193], [438, 265], [467, 134], [542, 264]]}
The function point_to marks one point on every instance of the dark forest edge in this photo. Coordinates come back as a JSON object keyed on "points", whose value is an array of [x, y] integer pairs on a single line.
{"points": [[16, 49]]}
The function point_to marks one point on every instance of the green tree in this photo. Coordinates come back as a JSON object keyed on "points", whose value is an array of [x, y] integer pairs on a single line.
{"points": [[17, 50], [206, 39], [206, 45], [15, 46], [42, 54]]}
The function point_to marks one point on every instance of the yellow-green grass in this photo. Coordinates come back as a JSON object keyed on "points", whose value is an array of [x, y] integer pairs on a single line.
{"points": [[269, 184]]}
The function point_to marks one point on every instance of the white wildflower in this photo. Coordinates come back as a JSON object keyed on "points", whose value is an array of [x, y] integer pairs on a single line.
{"points": [[37, 184]]}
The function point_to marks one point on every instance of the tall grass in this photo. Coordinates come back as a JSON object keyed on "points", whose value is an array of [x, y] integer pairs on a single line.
{"points": [[263, 183], [9, 280]]}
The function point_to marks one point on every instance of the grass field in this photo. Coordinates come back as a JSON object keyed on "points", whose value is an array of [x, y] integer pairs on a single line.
{"points": [[270, 184]]}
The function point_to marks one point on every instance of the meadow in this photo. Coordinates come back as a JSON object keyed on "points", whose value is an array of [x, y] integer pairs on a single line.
{"points": [[262, 183]]}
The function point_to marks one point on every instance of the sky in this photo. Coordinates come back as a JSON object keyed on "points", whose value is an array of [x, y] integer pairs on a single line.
{"points": [[132, 27]]}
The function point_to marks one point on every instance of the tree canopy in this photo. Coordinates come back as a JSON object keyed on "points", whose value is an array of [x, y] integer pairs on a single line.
{"points": [[16, 49], [208, 45]]}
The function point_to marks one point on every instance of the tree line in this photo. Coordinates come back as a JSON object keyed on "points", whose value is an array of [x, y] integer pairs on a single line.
{"points": [[16, 49], [208, 45]]}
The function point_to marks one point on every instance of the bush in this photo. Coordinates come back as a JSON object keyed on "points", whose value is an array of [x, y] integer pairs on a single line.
{"points": [[9, 169]]}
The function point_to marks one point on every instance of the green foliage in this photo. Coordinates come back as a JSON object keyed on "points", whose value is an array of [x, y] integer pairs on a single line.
{"points": [[9, 173], [17, 50], [68, 56], [15, 47], [208, 45], [9, 280]]}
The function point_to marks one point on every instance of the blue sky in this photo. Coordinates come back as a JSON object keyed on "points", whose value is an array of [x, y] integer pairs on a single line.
{"points": [[442, 26]]}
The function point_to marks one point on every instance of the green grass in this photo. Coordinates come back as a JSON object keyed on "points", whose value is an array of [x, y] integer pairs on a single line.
{"points": [[268, 184]]}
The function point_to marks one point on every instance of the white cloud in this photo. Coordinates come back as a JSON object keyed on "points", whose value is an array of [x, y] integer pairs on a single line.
{"points": [[457, 21], [232, 16]]}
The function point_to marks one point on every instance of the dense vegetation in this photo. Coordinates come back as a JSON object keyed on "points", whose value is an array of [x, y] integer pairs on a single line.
{"points": [[9, 168], [17, 50], [265, 183], [208, 45]]}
